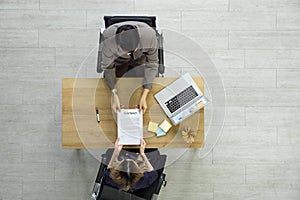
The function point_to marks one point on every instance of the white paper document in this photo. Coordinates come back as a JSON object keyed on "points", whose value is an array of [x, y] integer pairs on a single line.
{"points": [[130, 126]]}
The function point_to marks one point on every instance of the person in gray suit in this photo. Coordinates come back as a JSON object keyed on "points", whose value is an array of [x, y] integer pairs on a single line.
{"points": [[130, 49]]}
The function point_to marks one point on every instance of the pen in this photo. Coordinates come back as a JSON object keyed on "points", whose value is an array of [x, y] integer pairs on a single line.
{"points": [[97, 115]]}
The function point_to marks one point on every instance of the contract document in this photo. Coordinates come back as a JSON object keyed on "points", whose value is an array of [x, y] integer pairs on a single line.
{"points": [[130, 126]]}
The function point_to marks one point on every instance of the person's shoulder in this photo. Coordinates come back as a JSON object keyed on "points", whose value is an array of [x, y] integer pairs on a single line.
{"points": [[150, 175], [145, 29], [110, 31], [147, 36], [148, 178]]}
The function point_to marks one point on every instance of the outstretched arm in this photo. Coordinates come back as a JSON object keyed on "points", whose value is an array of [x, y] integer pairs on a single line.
{"points": [[143, 101], [115, 101], [115, 155], [151, 65], [148, 165], [107, 63], [150, 70]]}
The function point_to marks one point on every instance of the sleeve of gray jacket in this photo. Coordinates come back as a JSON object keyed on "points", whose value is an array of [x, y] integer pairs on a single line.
{"points": [[108, 63], [151, 66]]}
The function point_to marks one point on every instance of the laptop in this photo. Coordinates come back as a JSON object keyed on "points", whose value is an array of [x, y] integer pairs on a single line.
{"points": [[181, 99]]}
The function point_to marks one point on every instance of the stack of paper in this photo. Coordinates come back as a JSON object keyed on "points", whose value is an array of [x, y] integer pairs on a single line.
{"points": [[130, 126]]}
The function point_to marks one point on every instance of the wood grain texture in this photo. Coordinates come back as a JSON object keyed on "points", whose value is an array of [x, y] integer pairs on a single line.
{"points": [[228, 20], [288, 78], [265, 5], [264, 39], [181, 5], [64, 190], [68, 38], [42, 42], [116, 5], [33, 19], [80, 129], [280, 59], [16, 38], [19, 4]]}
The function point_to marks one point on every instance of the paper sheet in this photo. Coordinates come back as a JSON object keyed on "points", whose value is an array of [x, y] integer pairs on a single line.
{"points": [[130, 126]]}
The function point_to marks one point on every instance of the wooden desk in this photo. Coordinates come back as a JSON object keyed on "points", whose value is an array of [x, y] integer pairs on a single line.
{"points": [[81, 130]]}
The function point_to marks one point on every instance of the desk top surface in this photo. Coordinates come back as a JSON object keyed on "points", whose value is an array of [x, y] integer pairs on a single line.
{"points": [[80, 129]]}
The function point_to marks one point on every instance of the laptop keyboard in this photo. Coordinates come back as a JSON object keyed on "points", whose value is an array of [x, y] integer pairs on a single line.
{"points": [[181, 99]]}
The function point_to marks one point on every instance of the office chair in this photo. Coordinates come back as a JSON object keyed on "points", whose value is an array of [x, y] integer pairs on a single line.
{"points": [[102, 191], [150, 20]]}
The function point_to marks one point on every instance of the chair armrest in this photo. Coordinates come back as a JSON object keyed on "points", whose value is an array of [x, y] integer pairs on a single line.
{"points": [[161, 66], [99, 59], [102, 168], [161, 183], [98, 182]]}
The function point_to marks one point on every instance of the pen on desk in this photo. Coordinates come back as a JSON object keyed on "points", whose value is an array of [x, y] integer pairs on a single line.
{"points": [[97, 115]]}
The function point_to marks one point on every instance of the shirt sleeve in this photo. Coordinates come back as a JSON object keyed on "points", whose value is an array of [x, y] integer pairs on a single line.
{"points": [[108, 58], [151, 66]]}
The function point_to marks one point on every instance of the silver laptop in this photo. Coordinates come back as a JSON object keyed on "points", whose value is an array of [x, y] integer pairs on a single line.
{"points": [[181, 99]]}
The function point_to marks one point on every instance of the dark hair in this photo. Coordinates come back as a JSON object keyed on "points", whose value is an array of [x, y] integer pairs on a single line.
{"points": [[127, 37]]}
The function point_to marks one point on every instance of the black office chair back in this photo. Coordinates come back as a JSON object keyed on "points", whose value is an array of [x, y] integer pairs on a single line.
{"points": [[109, 193], [150, 20]]}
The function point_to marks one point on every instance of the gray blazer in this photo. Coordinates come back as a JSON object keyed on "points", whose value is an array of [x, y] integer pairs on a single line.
{"points": [[148, 46]]}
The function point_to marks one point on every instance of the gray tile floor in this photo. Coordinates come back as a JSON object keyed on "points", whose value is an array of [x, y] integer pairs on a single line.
{"points": [[255, 45]]}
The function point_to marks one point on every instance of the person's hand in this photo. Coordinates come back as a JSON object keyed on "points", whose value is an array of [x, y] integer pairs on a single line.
{"points": [[115, 103], [143, 146], [142, 105], [117, 146]]}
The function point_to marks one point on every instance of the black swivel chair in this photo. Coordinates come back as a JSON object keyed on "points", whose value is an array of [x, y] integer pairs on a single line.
{"points": [[151, 21], [102, 191]]}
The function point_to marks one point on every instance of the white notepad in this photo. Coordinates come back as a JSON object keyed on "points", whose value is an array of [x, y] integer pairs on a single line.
{"points": [[130, 126]]}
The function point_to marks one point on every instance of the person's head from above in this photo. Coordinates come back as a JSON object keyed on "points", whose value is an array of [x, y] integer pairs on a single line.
{"points": [[126, 173], [127, 38]]}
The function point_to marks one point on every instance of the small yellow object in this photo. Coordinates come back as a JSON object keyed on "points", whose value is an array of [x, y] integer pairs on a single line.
{"points": [[165, 126], [152, 127]]}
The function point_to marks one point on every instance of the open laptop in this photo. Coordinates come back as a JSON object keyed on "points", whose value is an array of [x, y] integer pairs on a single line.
{"points": [[181, 99]]}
